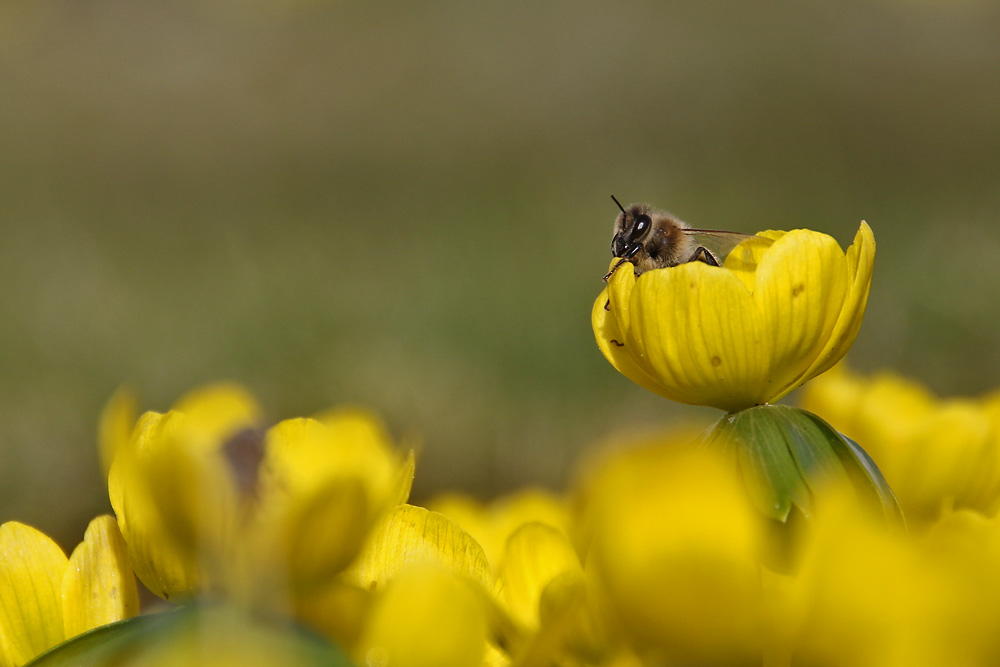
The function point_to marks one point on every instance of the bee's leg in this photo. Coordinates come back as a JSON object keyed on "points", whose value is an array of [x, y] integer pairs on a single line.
{"points": [[701, 254]]}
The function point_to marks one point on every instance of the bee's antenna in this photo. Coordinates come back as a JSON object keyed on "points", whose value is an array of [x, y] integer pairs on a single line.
{"points": [[619, 203]]}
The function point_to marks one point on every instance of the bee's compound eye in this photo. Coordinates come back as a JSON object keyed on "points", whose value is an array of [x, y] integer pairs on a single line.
{"points": [[642, 223]]}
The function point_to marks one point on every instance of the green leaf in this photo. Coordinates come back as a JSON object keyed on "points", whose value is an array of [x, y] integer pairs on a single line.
{"points": [[787, 455]]}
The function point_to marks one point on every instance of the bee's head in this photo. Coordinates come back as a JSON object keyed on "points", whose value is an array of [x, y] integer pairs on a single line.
{"points": [[632, 226]]}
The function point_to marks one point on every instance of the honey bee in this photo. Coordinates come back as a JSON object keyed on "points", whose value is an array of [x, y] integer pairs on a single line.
{"points": [[652, 239]]}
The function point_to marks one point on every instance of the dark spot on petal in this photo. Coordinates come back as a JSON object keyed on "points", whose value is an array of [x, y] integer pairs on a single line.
{"points": [[243, 452], [607, 305], [716, 361], [617, 343], [797, 290]]}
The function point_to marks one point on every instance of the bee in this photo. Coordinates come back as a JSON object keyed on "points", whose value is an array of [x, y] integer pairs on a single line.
{"points": [[652, 239]]}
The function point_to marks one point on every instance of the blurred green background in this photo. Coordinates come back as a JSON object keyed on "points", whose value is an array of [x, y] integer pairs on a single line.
{"points": [[406, 205]]}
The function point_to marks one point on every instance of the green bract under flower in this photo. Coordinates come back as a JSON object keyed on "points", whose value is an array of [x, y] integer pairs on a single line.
{"points": [[744, 334], [788, 456]]}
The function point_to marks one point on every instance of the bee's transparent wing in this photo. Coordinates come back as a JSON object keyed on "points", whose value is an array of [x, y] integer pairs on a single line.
{"points": [[720, 244]]}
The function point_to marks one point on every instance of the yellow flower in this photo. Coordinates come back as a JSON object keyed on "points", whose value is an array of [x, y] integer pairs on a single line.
{"points": [[492, 524], [863, 596], [935, 453], [748, 333], [208, 501], [676, 545], [46, 598]]}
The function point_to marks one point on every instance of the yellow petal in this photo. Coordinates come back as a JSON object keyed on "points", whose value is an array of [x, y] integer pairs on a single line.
{"points": [[338, 612], [801, 283], [869, 597], [954, 445], [323, 485], [115, 425], [404, 478], [31, 572], [745, 258], [99, 587], [704, 351], [675, 544], [535, 555], [492, 525], [860, 265], [193, 490], [302, 455], [426, 617], [157, 558], [219, 410], [611, 341], [409, 535], [300, 543], [472, 515]]}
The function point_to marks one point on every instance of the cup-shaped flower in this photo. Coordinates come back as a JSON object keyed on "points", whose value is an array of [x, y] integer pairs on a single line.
{"points": [[46, 598], [744, 334], [209, 501]]}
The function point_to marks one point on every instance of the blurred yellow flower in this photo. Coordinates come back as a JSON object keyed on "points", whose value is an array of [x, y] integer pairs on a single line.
{"points": [[549, 600], [864, 596], [935, 453], [748, 333], [432, 584], [493, 523], [545, 606], [536, 554], [46, 598], [426, 617], [209, 501], [675, 546]]}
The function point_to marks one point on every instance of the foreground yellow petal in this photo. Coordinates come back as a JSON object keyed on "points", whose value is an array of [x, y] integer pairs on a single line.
{"points": [[99, 587], [676, 545], [46, 598], [536, 554], [411, 535], [31, 573], [740, 335], [323, 484], [426, 617], [867, 597]]}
